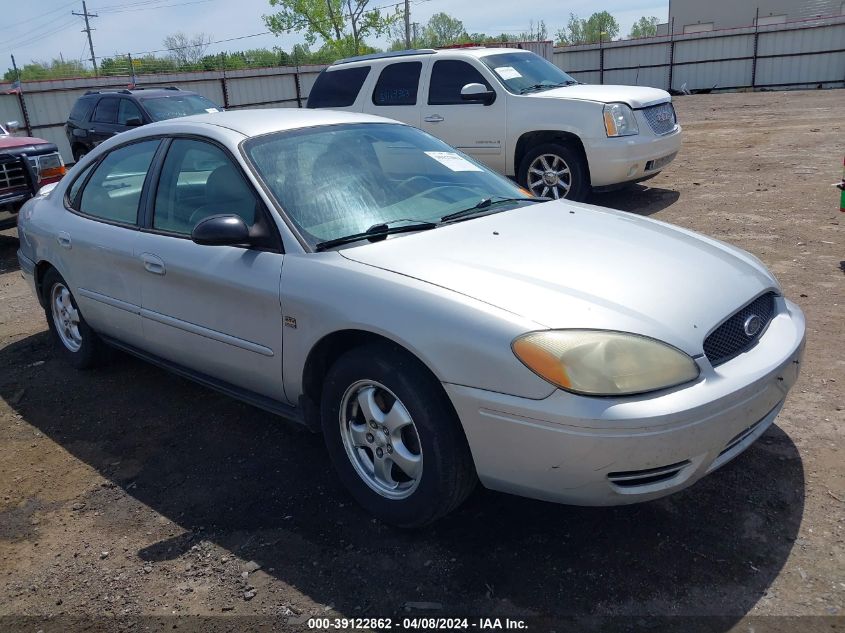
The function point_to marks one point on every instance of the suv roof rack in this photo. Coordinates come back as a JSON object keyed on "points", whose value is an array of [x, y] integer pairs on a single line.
{"points": [[359, 58], [126, 91]]}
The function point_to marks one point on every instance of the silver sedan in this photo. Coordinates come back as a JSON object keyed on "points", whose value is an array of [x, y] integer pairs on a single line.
{"points": [[436, 323]]}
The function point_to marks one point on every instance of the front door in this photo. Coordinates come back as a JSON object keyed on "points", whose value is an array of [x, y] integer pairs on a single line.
{"points": [[474, 128], [212, 309]]}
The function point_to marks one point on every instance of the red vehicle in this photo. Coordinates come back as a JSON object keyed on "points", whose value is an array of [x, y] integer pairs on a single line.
{"points": [[26, 164]]}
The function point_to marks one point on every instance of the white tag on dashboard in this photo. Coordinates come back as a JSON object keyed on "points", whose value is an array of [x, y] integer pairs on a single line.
{"points": [[508, 72], [453, 161]]}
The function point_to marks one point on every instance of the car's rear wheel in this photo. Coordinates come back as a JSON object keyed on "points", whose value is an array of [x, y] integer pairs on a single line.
{"points": [[394, 438], [76, 341], [554, 170]]}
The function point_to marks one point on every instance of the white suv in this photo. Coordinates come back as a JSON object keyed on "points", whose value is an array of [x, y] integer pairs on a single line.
{"points": [[513, 110]]}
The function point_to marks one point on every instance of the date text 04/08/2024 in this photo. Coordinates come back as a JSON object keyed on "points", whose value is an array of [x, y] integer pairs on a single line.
{"points": [[421, 623]]}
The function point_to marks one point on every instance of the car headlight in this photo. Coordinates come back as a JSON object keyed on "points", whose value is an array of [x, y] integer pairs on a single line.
{"points": [[619, 120], [603, 363]]}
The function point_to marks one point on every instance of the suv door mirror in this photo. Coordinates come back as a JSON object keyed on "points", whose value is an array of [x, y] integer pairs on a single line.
{"points": [[478, 93], [12, 126], [221, 230], [134, 121]]}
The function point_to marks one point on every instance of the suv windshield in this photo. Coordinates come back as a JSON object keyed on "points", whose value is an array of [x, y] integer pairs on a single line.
{"points": [[178, 105], [522, 73], [340, 180]]}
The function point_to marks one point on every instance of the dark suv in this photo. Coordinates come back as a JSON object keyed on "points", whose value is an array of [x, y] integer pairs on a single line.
{"points": [[100, 114]]}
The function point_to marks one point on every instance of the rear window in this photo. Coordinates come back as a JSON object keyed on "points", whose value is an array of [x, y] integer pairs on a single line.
{"points": [[337, 88], [81, 109], [177, 105], [106, 111], [397, 84]]}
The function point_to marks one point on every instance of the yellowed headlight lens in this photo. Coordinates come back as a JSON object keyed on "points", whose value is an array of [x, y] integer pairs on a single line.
{"points": [[609, 123], [597, 362]]}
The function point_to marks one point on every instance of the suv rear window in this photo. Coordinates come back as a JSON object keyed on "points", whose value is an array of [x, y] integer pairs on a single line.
{"points": [[397, 84], [81, 109], [106, 111], [337, 88]]}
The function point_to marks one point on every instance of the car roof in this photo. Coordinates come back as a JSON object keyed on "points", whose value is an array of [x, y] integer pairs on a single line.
{"points": [[137, 92], [468, 51], [264, 121]]}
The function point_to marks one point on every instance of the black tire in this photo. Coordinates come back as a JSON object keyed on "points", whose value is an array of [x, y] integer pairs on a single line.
{"points": [[79, 152], [448, 473], [91, 350], [579, 185]]}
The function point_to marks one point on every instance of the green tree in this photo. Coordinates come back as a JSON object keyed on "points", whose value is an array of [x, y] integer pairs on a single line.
{"points": [[341, 25], [644, 27], [54, 69], [599, 27], [443, 30]]}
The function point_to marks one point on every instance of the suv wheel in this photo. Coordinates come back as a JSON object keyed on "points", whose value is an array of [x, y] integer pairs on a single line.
{"points": [[394, 438], [79, 152], [555, 171]]}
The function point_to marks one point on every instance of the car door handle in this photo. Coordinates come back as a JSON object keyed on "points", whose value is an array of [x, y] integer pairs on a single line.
{"points": [[153, 264], [433, 118], [64, 240]]}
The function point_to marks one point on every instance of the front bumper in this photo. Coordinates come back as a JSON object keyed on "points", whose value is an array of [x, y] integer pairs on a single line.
{"points": [[610, 451], [630, 158]]}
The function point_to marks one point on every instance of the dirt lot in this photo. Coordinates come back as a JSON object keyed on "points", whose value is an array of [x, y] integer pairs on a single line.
{"points": [[126, 491]]}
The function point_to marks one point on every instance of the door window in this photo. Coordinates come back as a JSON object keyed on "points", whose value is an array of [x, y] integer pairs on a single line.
{"points": [[106, 111], [199, 180], [397, 85], [448, 76], [114, 189], [128, 110]]}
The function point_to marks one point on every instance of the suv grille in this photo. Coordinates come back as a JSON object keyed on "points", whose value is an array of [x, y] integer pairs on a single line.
{"points": [[661, 118], [11, 175], [731, 338]]}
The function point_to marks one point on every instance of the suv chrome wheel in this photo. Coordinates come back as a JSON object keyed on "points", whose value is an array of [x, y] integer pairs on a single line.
{"points": [[549, 174], [381, 439], [65, 317]]}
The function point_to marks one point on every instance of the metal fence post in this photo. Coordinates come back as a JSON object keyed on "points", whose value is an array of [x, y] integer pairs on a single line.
{"points": [[754, 56], [298, 88], [601, 62], [671, 52], [22, 104]]}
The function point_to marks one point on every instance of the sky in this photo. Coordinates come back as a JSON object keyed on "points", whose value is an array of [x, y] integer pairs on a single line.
{"points": [[44, 29]]}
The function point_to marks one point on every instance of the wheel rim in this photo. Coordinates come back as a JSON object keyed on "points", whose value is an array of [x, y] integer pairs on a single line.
{"points": [[65, 317], [549, 175], [381, 439]]}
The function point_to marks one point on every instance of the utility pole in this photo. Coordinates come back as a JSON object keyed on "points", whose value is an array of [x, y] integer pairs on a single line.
{"points": [[15, 68], [407, 23], [414, 27], [88, 30]]}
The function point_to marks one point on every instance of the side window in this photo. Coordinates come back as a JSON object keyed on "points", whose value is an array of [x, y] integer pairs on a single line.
{"points": [[106, 111], [199, 180], [337, 88], [128, 110], [397, 84], [80, 109], [114, 189], [76, 185], [448, 77]]}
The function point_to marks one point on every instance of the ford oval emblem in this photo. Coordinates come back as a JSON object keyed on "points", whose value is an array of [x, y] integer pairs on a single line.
{"points": [[752, 325]]}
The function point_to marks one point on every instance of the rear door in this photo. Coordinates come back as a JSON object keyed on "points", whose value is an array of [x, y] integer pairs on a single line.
{"points": [[477, 129], [395, 93], [212, 309], [104, 120]]}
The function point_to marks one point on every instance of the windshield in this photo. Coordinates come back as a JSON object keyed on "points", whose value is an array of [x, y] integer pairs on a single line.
{"points": [[526, 72], [3, 131], [335, 181], [171, 107]]}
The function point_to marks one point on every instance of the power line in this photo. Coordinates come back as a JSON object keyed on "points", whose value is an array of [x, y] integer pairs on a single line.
{"points": [[38, 17], [87, 30], [150, 8]]}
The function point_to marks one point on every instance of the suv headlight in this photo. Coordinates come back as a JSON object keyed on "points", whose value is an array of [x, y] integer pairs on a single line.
{"points": [[604, 363], [619, 120]]}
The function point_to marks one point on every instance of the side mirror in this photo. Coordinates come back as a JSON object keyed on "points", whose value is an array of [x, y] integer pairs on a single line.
{"points": [[478, 93], [134, 121], [13, 126], [221, 230]]}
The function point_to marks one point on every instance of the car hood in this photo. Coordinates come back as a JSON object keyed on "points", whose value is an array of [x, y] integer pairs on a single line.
{"points": [[10, 142], [570, 265], [634, 96]]}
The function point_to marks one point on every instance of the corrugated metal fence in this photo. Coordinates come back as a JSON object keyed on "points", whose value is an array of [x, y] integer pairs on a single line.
{"points": [[43, 106], [797, 54]]}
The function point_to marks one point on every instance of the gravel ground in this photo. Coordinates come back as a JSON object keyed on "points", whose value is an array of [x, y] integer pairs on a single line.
{"points": [[128, 492]]}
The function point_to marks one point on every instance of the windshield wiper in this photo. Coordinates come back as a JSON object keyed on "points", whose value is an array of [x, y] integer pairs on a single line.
{"points": [[376, 232], [546, 86], [484, 204]]}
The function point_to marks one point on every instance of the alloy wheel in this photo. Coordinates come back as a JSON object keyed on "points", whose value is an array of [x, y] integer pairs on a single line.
{"points": [[549, 175], [65, 317]]}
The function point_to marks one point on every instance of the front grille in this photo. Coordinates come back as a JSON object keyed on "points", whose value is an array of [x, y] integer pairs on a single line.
{"points": [[631, 478], [12, 175], [730, 338], [661, 118]]}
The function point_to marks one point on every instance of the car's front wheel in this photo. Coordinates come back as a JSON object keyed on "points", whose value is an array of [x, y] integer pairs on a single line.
{"points": [[75, 339], [553, 170], [394, 438]]}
